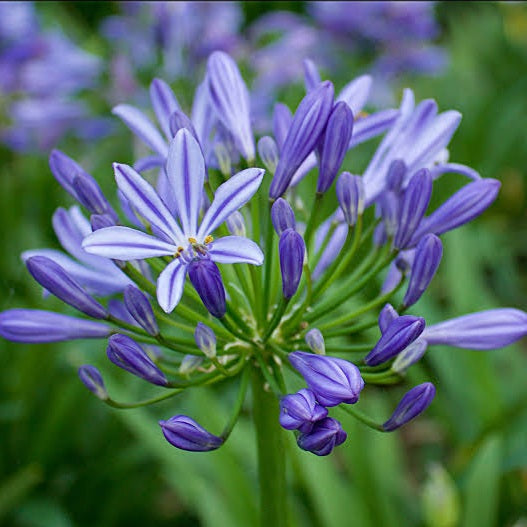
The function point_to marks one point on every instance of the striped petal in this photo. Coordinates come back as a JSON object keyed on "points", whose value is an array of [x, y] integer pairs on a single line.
{"points": [[170, 285], [142, 126], [229, 197], [146, 202], [123, 243], [164, 103], [236, 249], [186, 174]]}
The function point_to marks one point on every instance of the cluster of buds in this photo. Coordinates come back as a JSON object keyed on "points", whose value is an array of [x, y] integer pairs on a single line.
{"points": [[303, 297]]}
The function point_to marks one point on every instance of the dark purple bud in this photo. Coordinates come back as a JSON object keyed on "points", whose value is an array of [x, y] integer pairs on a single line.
{"points": [[414, 402], [315, 341], [306, 128], [127, 354], [101, 221], [179, 120], [413, 207], [426, 261], [332, 380], [139, 307], [65, 170], [56, 280], [236, 224], [335, 143], [282, 118], [206, 279], [389, 205], [92, 379], [205, 340], [399, 334], [395, 176], [183, 432], [462, 207], [410, 355], [311, 75], [90, 195], [299, 411], [291, 248], [282, 216], [323, 438], [33, 326], [386, 317], [268, 152], [350, 194]]}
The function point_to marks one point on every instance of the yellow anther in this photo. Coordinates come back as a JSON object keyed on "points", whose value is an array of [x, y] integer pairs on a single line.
{"points": [[180, 249], [177, 255], [362, 114], [192, 240], [209, 239]]}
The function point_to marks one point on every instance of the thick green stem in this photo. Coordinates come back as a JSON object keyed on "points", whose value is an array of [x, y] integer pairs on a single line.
{"points": [[271, 455]]}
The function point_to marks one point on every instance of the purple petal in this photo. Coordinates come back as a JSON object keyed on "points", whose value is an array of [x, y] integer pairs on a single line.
{"points": [[356, 93], [164, 103], [235, 249], [170, 285], [146, 201], [365, 128], [455, 168], [148, 162], [229, 197], [186, 174], [142, 127], [123, 243]]}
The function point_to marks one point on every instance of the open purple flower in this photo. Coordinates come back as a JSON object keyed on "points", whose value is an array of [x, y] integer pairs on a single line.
{"points": [[190, 242]]}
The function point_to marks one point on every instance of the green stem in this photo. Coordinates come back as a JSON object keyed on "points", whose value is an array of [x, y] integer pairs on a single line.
{"points": [[362, 417], [268, 263], [311, 223], [271, 458], [146, 402], [279, 312], [238, 404]]}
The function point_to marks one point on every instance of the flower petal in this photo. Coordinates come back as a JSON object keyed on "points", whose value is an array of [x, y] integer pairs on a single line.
{"points": [[186, 174], [235, 249], [170, 285], [143, 127], [146, 201], [164, 103], [123, 243], [229, 197], [356, 93]]}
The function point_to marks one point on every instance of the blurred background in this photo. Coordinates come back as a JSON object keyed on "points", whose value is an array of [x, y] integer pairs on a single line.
{"points": [[68, 460]]}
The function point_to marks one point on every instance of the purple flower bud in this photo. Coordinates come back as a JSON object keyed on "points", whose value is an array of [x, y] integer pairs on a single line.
{"points": [[90, 195], [33, 326], [101, 221], [206, 279], [413, 207], [395, 176], [92, 379], [189, 364], [282, 216], [486, 330], [205, 340], [282, 118], [127, 354], [462, 207], [411, 405], [332, 380], [399, 334], [65, 170], [299, 411], [139, 307], [230, 98], [268, 152], [183, 432], [426, 261], [236, 224], [311, 75], [350, 194], [334, 145], [56, 280], [291, 248], [306, 128], [323, 438], [179, 120], [315, 341], [386, 317], [410, 355], [389, 205]]}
